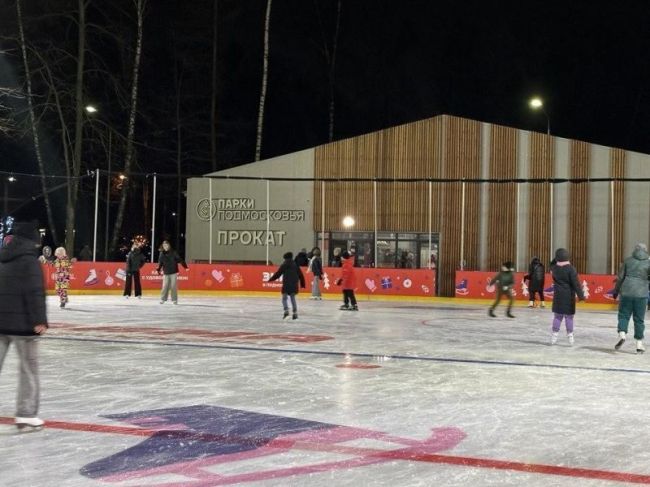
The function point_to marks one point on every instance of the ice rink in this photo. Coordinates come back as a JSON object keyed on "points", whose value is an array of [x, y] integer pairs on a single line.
{"points": [[222, 391]]}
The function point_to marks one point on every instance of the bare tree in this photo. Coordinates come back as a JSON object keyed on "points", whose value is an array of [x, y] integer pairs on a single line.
{"points": [[6, 123], [140, 6], [33, 123], [265, 75]]}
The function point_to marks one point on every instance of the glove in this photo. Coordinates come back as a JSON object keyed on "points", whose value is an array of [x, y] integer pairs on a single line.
{"points": [[615, 295]]}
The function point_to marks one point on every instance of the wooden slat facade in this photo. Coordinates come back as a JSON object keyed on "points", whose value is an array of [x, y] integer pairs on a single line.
{"points": [[542, 165], [579, 204], [452, 147], [502, 211]]}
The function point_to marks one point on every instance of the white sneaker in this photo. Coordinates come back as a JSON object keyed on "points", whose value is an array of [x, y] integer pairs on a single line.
{"points": [[639, 346], [31, 422], [570, 337], [554, 337]]}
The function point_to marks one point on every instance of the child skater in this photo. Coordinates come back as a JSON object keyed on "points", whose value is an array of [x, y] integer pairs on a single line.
{"points": [[168, 261], [62, 266], [134, 262], [535, 278], [503, 283], [348, 281], [291, 275], [566, 287]]}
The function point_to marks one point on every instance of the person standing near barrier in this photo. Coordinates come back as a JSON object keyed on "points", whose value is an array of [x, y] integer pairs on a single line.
{"points": [[535, 278], [316, 268], [632, 290], [134, 262], [22, 308], [348, 281], [168, 262]]}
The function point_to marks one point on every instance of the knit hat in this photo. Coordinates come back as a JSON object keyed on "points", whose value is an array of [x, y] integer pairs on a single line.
{"points": [[288, 255], [345, 254], [26, 230], [562, 255]]}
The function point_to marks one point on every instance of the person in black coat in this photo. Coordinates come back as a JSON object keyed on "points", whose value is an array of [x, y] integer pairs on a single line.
{"points": [[316, 268], [535, 278], [168, 261], [565, 289], [134, 262], [23, 317], [291, 276], [302, 259]]}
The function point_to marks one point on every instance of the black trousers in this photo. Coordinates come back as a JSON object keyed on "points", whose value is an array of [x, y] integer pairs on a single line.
{"points": [[532, 294], [348, 297], [136, 278]]}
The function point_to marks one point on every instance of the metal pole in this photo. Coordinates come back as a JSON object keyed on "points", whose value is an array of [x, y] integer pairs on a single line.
{"points": [[374, 207], [210, 221], [96, 210], [153, 218], [322, 218], [611, 225], [430, 224], [462, 230], [268, 218], [108, 195]]}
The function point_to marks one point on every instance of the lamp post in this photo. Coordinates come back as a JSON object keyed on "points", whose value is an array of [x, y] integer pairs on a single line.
{"points": [[536, 103]]}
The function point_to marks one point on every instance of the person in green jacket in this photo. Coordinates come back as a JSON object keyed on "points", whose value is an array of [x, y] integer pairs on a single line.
{"points": [[632, 287], [503, 283]]}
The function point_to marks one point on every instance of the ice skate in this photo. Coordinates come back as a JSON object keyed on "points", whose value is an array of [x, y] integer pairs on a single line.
{"points": [[510, 315], [639, 346], [294, 316], [62, 305], [285, 315], [570, 338], [29, 424], [542, 305], [531, 304], [344, 307], [491, 313], [354, 308], [554, 337], [621, 335]]}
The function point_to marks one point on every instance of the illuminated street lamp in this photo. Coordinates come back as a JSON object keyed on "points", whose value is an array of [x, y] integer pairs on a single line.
{"points": [[536, 103], [91, 109]]}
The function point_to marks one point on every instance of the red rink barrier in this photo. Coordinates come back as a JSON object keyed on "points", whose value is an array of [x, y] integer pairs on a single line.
{"points": [[598, 288], [111, 276]]}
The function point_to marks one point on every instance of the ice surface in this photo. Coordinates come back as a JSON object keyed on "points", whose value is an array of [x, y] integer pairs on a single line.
{"points": [[221, 390]]}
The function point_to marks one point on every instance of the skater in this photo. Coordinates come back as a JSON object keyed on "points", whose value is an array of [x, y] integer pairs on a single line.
{"points": [[22, 307], [566, 287], [503, 283], [632, 287], [316, 268], [291, 276], [348, 282], [63, 267], [168, 261], [134, 262], [535, 278]]}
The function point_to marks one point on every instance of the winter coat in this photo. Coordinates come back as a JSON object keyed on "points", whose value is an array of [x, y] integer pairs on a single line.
{"points": [[168, 261], [633, 275], [301, 259], [504, 280], [291, 276], [348, 277], [22, 290], [134, 261], [536, 276], [317, 266], [62, 271], [566, 287]]}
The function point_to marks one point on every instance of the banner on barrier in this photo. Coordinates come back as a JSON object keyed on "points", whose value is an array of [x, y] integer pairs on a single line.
{"points": [[597, 288], [225, 277]]}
